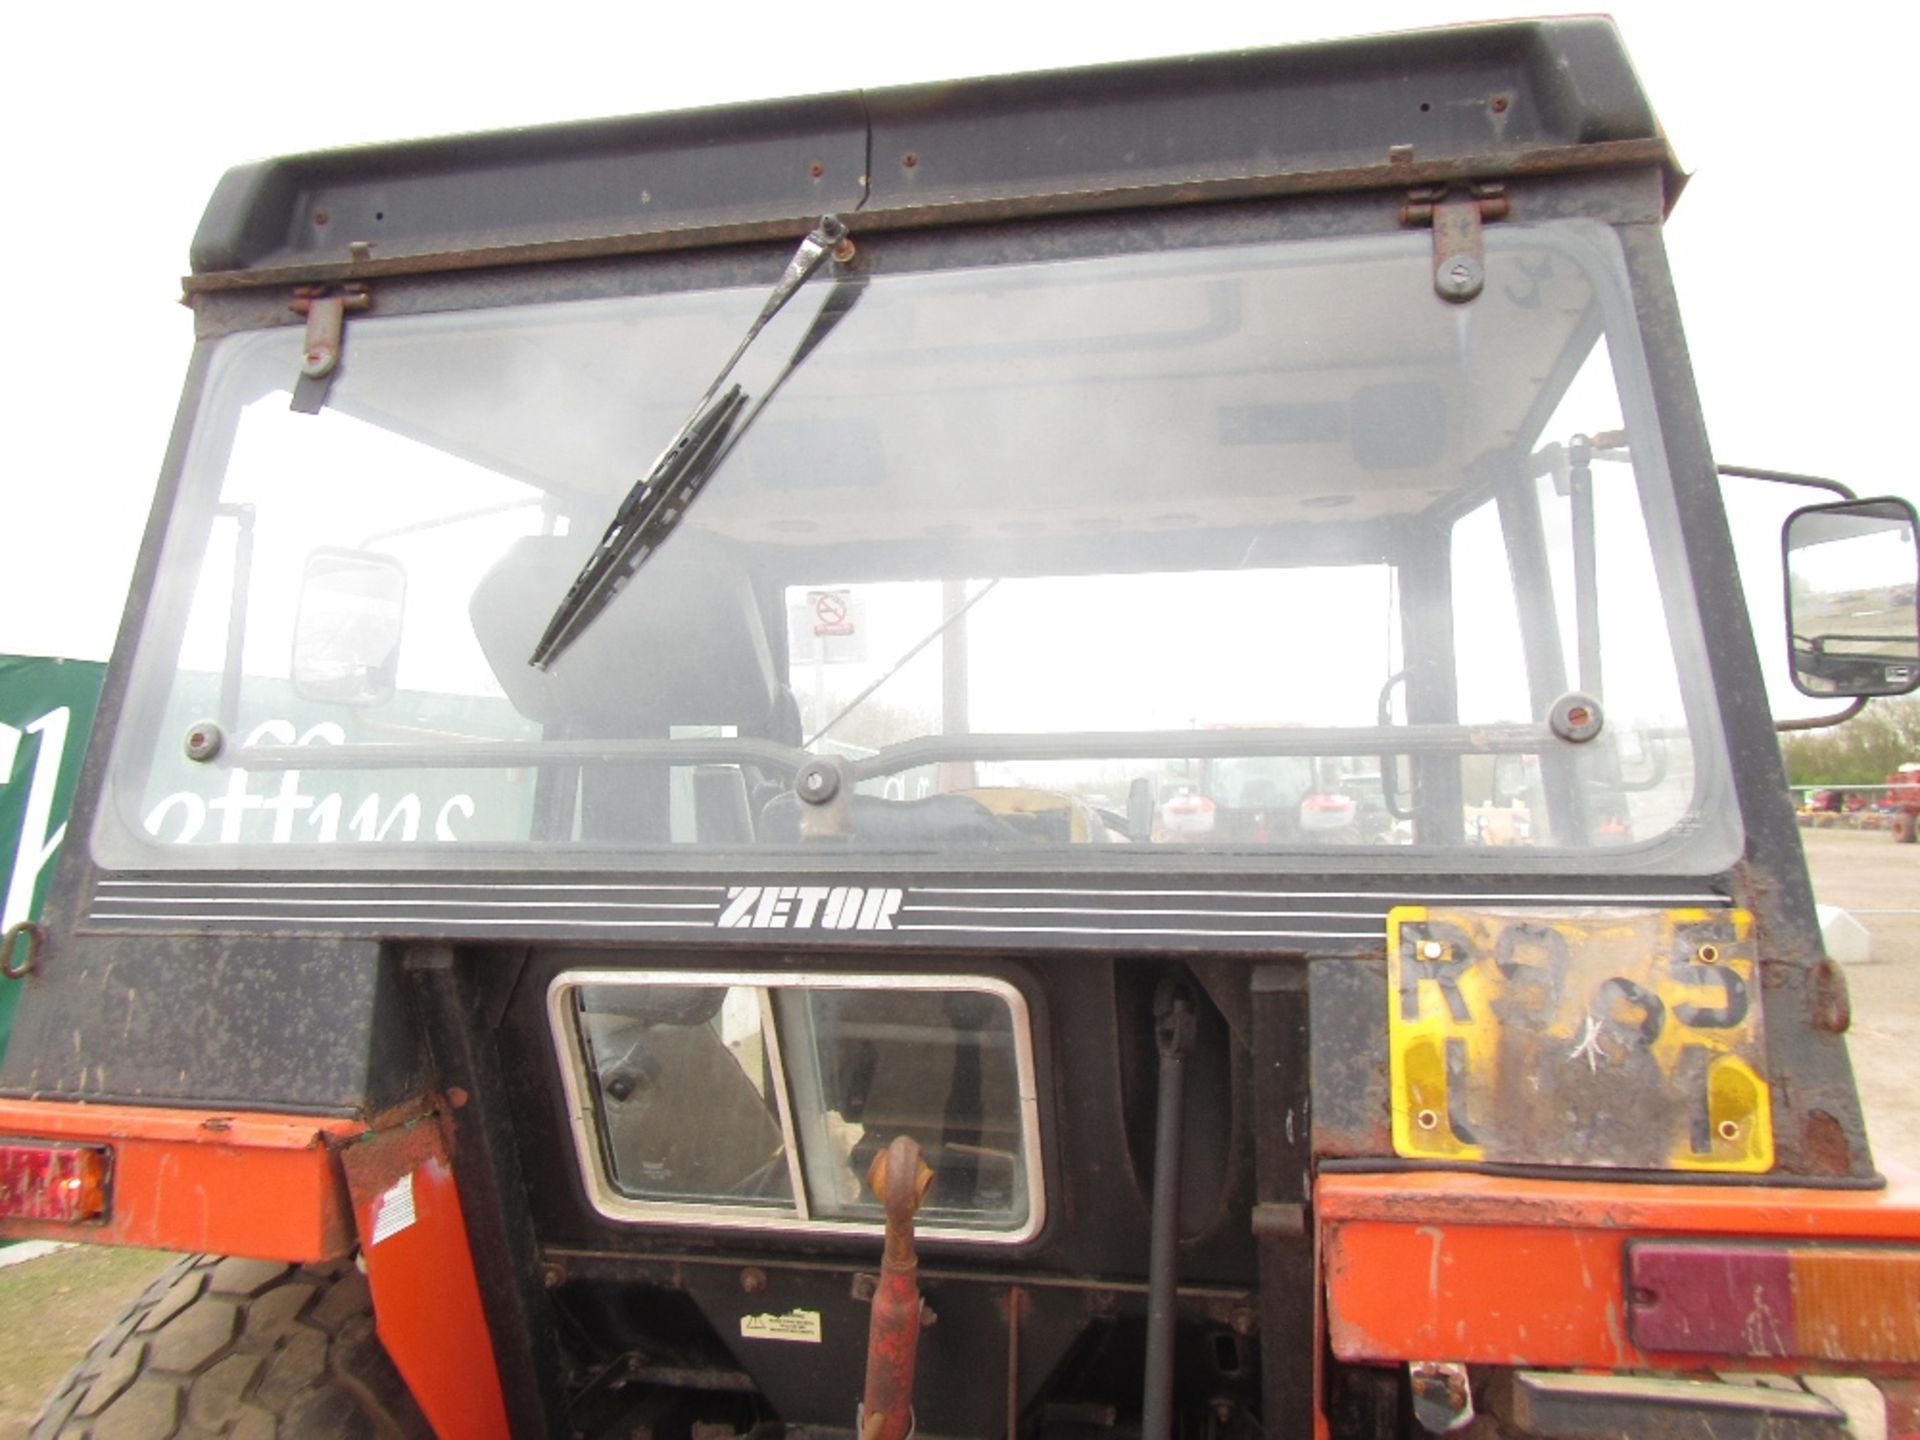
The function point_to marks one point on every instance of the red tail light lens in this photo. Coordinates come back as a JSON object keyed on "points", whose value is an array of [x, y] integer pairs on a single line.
{"points": [[41, 1180], [1819, 1302]]}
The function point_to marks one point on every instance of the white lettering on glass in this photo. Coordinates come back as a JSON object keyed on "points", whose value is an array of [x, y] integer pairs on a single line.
{"points": [[372, 820]]}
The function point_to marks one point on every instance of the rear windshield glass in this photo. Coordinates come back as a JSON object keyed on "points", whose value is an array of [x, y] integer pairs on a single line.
{"points": [[1228, 550]]}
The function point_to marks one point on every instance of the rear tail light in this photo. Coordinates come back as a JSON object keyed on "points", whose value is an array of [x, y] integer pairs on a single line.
{"points": [[1809, 1302], [43, 1180]]}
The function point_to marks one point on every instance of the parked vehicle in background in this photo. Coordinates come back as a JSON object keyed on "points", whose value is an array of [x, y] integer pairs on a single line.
{"points": [[1902, 802], [46, 708], [1260, 800]]}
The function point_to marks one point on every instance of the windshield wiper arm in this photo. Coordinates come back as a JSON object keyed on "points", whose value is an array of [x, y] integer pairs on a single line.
{"points": [[840, 300], [813, 250], [656, 502]]}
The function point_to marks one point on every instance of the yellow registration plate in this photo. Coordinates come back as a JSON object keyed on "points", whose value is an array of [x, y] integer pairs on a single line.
{"points": [[1598, 1037]]}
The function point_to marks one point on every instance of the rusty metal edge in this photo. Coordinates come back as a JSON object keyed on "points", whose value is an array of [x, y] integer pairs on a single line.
{"points": [[1388, 175], [173, 1124]]}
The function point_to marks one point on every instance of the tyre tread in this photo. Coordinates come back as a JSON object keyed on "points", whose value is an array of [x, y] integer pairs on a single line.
{"points": [[256, 1348]]}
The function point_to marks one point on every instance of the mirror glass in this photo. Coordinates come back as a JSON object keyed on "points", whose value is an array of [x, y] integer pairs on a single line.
{"points": [[1851, 571], [346, 641], [1757, 513]]}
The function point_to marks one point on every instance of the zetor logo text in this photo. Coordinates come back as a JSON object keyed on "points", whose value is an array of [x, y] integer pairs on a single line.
{"points": [[809, 907]]}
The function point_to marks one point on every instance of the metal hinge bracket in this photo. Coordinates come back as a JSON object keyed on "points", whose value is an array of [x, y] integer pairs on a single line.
{"points": [[326, 311], [1459, 260]]}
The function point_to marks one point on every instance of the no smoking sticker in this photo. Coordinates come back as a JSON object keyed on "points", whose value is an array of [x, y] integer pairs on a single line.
{"points": [[832, 612]]}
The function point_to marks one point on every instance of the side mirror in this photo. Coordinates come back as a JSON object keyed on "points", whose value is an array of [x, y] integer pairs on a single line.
{"points": [[346, 637], [1852, 619]]}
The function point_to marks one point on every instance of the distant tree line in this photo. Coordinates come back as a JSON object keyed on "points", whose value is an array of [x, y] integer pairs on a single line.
{"points": [[1864, 751]]}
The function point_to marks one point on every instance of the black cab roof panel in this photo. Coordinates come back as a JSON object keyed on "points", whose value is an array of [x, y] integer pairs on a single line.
{"points": [[1408, 108]]}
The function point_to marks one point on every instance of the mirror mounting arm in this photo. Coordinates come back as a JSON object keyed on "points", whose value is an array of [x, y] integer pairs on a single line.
{"points": [[1784, 477], [1823, 722]]}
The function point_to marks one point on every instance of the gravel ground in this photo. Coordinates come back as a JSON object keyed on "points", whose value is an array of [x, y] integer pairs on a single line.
{"points": [[1864, 872], [55, 1305]]}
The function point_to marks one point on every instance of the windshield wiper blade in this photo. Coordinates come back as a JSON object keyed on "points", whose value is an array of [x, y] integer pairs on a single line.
{"points": [[645, 518], [655, 503]]}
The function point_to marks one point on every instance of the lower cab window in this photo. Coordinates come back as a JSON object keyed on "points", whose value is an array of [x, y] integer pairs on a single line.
{"points": [[761, 1100]]}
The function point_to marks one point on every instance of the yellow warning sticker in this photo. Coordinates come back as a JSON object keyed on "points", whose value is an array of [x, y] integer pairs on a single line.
{"points": [[802, 1325]]}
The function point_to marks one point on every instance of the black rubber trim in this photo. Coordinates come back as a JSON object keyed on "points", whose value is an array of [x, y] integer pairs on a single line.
{"points": [[1371, 1165]]}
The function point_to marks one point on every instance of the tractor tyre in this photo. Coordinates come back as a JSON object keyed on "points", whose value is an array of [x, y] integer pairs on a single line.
{"points": [[248, 1349]]}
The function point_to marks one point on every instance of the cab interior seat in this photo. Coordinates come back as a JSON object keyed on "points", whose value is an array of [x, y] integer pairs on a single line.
{"points": [[691, 608]]}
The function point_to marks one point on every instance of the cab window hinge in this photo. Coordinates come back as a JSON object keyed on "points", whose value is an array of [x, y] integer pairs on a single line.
{"points": [[326, 310], [1459, 260]]}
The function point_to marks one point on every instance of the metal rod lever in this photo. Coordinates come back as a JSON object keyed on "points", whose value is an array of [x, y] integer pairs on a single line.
{"points": [[900, 1179], [1173, 1029]]}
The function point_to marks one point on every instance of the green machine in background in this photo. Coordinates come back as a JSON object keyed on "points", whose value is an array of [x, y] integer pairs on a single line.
{"points": [[46, 710]]}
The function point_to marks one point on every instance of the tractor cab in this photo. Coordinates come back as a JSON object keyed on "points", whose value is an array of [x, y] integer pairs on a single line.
{"points": [[1128, 795]]}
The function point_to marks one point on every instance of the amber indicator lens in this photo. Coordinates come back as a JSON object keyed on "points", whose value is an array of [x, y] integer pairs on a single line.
{"points": [[44, 1181], [1808, 1302]]}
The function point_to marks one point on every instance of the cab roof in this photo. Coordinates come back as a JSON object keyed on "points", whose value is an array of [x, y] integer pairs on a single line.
{"points": [[1477, 102]]}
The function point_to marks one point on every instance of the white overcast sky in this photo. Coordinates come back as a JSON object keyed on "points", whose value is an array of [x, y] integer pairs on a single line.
{"points": [[1793, 246]]}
